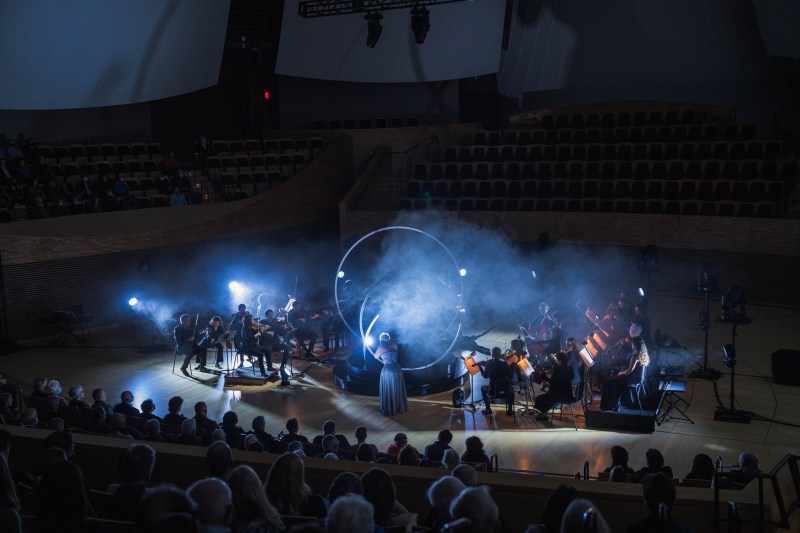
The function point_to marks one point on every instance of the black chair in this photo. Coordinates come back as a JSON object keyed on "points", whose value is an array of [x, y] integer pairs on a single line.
{"points": [[639, 390]]}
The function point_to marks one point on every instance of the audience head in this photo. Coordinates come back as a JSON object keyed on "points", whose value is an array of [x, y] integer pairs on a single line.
{"points": [[296, 446], [29, 417], [329, 427], [61, 440], [556, 504], [351, 513], [61, 499], [218, 435], [401, 439], [116, 421], [748, 463], [445, 436], [703, 466], [408, 456], [53, 387], [126, 397], [148, 406], [292, 426], [152, 427], [219, 460], [617, 474], [174, 405], [380, 492], [99, 415], [48, 458], [230, 419], [259, 423], [442, 493], [76, 392], [654, 458], [165, 509], [467, 475], [366, 453], [99, 395], [658, 488], [137, 464], [200, 409], [344, 483], [188, 426], [619, 456], [474, 445], [252, 444], [286, 484], [330, 443], [39, 383], [477, 505], [331, 456], [450, 459], [361, 434], [213, 503], [249, 499], [574, 517]]}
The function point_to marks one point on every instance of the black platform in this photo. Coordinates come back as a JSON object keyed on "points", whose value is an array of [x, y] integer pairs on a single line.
{"points": [[624, 420], [353, 375]]}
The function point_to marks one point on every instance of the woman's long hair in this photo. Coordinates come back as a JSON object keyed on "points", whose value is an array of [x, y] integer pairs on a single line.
{"points": [[249, 498], [285, 484]]}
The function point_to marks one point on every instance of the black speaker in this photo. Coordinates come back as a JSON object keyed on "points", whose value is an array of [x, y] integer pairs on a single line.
{"points": [[786, 367]]}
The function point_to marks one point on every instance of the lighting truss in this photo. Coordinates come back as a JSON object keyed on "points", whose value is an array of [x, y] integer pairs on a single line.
{"points": [[329, 8]]}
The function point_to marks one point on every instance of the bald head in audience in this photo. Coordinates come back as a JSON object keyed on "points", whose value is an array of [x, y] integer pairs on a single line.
{"points": [[467, 475], [213, 502], [476, 505]]}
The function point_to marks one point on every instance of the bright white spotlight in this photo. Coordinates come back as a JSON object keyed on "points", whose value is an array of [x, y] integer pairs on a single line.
{"points": [[133, 301], [369, 341], [641, 292], [340, 274], [234, 286], [463, 272], [533, 273]]}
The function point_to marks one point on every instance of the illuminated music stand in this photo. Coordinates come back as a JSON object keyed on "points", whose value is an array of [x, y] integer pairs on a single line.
{"points": [[472, 368], [527, 369]]}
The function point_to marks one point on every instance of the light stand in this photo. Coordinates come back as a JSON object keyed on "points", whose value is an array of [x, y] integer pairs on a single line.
{"points": [[707, 282], [733, 313]]}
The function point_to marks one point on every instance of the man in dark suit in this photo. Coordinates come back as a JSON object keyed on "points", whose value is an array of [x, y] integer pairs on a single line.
{"points": [[201, 418], [498, 372], [125, 406], [329, 428], [560, 386], [186, 344]]}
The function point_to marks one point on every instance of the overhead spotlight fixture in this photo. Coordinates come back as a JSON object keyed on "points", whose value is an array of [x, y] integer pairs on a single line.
{"points": [[369, 341], [133, 301], [374, 28], [420, 23], [707, 278], [340, 274], [463, 272]]}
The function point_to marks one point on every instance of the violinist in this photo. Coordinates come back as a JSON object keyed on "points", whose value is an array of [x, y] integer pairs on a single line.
{"points": [[499, 374], [560, 386], [250, 344], [635, 372], [214, 335], [186, 345], [574, 360]]}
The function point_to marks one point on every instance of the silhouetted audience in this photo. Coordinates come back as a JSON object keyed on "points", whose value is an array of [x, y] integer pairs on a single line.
{"points": [[380, 491], [702, 468], [293, 428], [435, 451], [474, 452], [657, 489], [287, 490], [476, 505], [148, 409], [174, 416], [219, 460], [252, 510], [135, 469], [125, 405], [619, 457], [440, 495], [655, 464], [329, 428], [467, 474], [213, 504]]}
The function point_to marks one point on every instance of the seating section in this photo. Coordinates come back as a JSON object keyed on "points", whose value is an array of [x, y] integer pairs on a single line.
{"points": [[643, 162], [365, 123]]}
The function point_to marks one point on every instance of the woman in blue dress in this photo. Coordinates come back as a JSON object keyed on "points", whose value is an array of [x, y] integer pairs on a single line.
{"points": [[392, 388]]}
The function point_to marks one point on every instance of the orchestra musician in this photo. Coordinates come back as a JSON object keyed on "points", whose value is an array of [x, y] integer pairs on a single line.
{"points": [[560, 386], [212, 340], [633, 374], [498, 372], [543, 333], [273, 336], [301, 332], [575, 362], [186, 345], [250, 344]]}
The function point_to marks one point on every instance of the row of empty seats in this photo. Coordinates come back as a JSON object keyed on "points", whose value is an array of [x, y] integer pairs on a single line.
{"points": [[365, 123], [311, 146], [98, 165], [613, 119], [761, 150], [594, 205], [96, 150], [665, 134], [269, 161], [742, 191], [677, 170]]}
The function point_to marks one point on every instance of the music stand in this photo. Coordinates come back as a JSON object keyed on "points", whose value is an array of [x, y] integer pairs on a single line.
{"points": [[527, 369], [472, 368], [670, 388]]}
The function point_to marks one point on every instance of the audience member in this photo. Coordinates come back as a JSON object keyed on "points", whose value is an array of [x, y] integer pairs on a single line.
{"points": [[287, 490], [61, 502], [219, 460], [476, 505], [252, 510], [619, 457], [120, 427], [331, 456], [148, 408], [259, 430], [440, 495], [188, 434], [233, 433], [702, 467], [296, 447], [361, 438], [218, 435], [201, 417], [574, 518], [380, 492], [174, 416], [152, 432], [76, 395], [467, 474], [7, 408], [99, 397], [366, 453], [135, 469], [394, 448], [53, 390], [554, 507], [351, 513], [55, 424], [329, 428], [344, 483], [177, 198], [39, 385], [330, 446], [251, 443], [29, 417], [408, 456], [125, 406], [657, 489], [748, 464], [618, 475], [474, 453], [213, 504], [293, 428], [165, 509], [9, 503], [98, 422], [655, 464], [61, 440], [450, 459], [434, 452]]}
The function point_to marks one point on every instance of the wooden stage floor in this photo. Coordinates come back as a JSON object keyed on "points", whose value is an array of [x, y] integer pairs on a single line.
{"points": [[109, 359]]}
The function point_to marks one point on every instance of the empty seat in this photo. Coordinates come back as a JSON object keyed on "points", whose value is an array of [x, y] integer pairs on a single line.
{"points": [[726, 209], [466, 171], [529, 189], [745, 209], [689, 207], [708, 209]]}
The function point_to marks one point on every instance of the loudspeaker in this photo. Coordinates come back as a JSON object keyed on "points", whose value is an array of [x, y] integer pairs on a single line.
{"points": [[786, 367]]}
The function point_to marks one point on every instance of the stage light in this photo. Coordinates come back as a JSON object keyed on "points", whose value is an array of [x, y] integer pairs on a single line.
{"points": [[368, 340], [234, 286], [374, 28], [641, 292], [463, 272], [420, 23], [133, 301], [340, 274], [733, 304], [707, 278], [533, 273]]}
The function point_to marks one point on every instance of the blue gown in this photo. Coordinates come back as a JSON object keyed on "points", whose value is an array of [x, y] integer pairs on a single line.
{"points": [[392, 387]]}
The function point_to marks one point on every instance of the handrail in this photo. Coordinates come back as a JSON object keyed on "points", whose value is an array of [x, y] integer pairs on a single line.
{"points": [[783, 519], [427, 141]]}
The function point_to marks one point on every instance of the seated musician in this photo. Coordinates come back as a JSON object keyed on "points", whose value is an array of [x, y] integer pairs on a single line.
{"points": [[560, 387], [186, 345], [273, 338], [212, 340], [574, 360], [497, 371], [633, 374], [236, 323], [250, 345], [302, 332]]}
